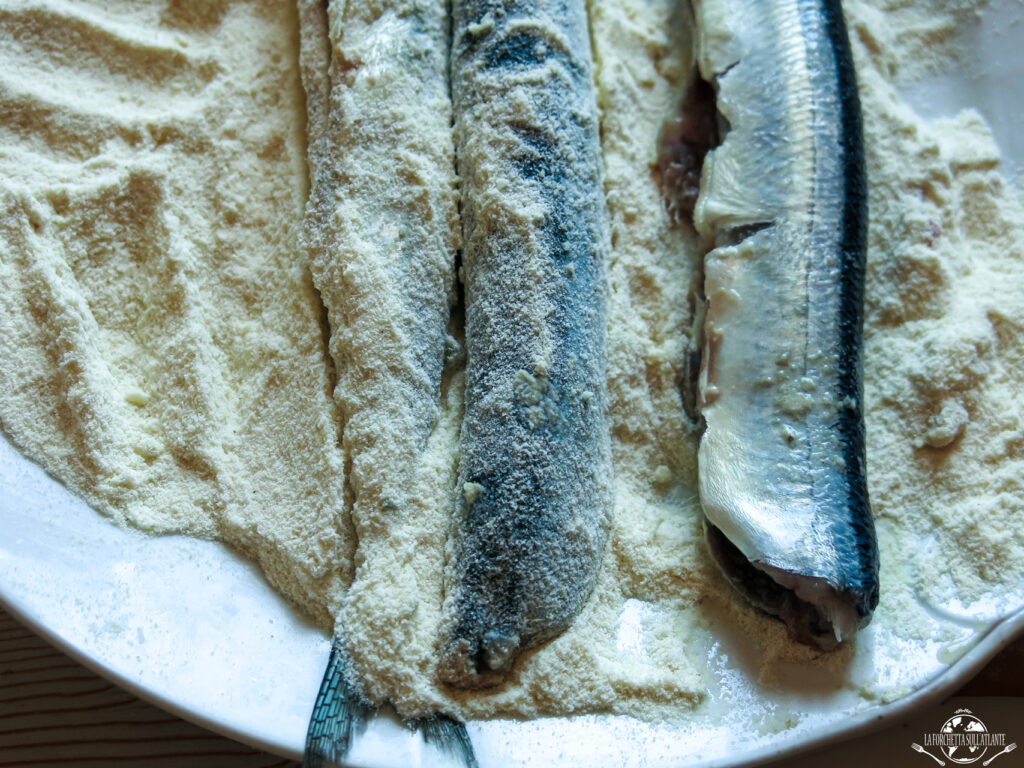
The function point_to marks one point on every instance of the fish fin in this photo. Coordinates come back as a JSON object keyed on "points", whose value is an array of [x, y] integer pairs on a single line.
{"points": [[449, 737], [339, 713]]}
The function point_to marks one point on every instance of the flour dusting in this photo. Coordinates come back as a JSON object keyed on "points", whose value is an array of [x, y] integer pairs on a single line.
{"points": [[167, 238]]}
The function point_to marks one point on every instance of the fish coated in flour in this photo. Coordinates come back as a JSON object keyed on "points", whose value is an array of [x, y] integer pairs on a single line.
{"points": [[782, 209], [381, 225], [535, 469]]}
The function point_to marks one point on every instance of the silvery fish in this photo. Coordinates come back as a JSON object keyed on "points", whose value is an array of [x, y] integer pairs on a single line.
{"points": [[782, 214], [357, 71]]}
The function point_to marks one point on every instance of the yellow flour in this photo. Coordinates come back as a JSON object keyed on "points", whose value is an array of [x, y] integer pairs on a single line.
{"points": [[161, 348], [164, 352]]}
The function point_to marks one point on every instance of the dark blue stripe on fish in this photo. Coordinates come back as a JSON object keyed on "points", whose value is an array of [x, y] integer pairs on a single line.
{"points": [[853, 255]]}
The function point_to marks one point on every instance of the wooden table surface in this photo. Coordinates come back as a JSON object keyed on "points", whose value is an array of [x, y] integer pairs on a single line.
{"points": [[54, 712]]}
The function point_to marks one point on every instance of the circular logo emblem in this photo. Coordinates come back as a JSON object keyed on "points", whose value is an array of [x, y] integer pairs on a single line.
{"points": [[966, 724]]}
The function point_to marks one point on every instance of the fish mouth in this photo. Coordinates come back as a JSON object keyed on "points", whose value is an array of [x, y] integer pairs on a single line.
{"points": [[815, 612]]}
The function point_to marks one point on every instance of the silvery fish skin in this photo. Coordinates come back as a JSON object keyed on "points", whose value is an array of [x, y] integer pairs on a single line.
{"points": [[534, 478], [782, 209]]}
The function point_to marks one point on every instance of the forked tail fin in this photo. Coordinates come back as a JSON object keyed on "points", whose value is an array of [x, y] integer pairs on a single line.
{"points": [[449, 737], [340, 715], [337, 714]]}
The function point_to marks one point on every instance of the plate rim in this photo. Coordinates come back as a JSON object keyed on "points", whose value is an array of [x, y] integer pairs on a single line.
{"points": [[870, 720], [138, 688]]}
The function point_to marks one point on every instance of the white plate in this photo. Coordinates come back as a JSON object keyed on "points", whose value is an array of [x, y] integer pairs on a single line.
{"points": [[190, 627], [233, 657]]}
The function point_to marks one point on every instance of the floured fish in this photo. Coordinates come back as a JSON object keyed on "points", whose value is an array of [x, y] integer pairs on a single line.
{"points": [[782, 213], [382, 227], [535, 472]]}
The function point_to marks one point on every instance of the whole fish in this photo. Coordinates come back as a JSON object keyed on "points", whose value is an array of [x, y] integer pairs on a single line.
{"points": [[535, 472], [782, 210], [381, 227]]}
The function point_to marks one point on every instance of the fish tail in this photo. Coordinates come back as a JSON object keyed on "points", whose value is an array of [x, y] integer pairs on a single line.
{"points": [[449, 737], [339, 713]]}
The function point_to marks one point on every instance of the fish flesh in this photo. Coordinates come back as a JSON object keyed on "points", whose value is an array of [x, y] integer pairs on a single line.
{"points": [[782, 214], [535, 470]]}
